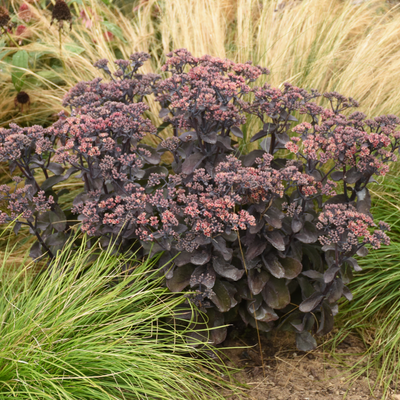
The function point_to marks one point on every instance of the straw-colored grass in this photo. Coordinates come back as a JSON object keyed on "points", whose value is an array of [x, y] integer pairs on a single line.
{"points": [[321, 44]]}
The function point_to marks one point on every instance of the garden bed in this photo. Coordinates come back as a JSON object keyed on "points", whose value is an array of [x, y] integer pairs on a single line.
{"points": [[294, 375]]}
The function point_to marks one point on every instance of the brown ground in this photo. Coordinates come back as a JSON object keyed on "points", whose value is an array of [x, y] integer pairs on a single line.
{"points": [[294, 375]]}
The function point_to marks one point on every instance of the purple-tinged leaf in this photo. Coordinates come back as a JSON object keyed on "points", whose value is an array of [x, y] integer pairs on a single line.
{"points": [[273, 266], [203, 275], [219, 245], [226, 270], [35, 251], [276, 293], [337, 175], [257, 279], [182, 259], [291, 266], [55, 168], [200, 257], [305, 341], [255, 248], [192, 162], [352, 175], [347, 293], [313, 274], [210, 138], [335, 291], [249, 159], [297, 224], [188, 136], [330, 273], [265, 314], [275, 237], [180, 279], [308, 234], [362, 251], [50, 182], [326, 324], [274, 217], [225, 141], [163, 112], [311, 302], [354, 264], [254, 304], [237, 132], [221, 297]]}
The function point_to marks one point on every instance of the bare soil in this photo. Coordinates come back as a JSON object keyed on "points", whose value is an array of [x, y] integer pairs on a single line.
{"points": [[292, 375]]}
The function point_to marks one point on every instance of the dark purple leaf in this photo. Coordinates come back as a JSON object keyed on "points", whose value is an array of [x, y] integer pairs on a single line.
{"points": [[255, 248], [274, 217], [362, 252], [347, 293], [249, 159], [219, 245], [50, 182], [274, 266], [326, 323], [188, 136], [257, 278], [183, 259], [225, 141], [57, 169], [308, 234], [35, 251], [305, 341], [275, 237], [330, 273], [335, 291], [203, 275], [192, 162], [180, 279], [163, 112], [297, 224], [265, 314], [311, 302], [221, 297], [237, 132], [313, 274], [210, 138], [363, 201], [352, 175], [291, 266], [200, 257], [337, 175], [226, 270], [276, 293], [353, 262]]}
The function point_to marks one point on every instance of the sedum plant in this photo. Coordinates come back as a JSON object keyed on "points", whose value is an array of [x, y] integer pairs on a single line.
{"points": [[269, 236]]}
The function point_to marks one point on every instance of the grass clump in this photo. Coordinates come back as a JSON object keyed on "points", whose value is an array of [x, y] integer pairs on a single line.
{"points": [[86, 331]]}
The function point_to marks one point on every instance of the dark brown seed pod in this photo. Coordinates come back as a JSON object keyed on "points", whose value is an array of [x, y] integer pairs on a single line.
{"points": [[4, 18], [61, 13], [22, 98]]}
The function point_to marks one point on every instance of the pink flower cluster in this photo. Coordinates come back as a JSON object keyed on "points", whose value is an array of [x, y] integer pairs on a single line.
{"points": [[16, 142], [343, 226], [211, 88], [347, 142]]}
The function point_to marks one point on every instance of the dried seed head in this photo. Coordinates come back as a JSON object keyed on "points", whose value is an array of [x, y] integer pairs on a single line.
{"points": [[22, 98], [61, 12], [4, 17]]}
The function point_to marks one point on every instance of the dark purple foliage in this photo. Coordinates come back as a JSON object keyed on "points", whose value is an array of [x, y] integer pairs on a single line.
{"points": [[269, 239]]}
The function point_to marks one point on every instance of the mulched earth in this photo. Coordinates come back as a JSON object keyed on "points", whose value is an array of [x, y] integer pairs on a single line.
{"points": [[289, 374]]}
